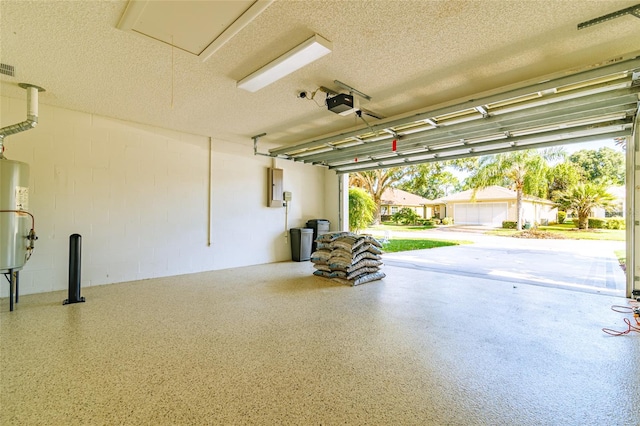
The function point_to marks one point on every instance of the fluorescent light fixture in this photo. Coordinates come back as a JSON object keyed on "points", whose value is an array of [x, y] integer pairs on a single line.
{"points": [[312, 49]]}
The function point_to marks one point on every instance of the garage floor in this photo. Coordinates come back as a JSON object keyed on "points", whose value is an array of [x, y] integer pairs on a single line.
{"points": [[272, 344]]}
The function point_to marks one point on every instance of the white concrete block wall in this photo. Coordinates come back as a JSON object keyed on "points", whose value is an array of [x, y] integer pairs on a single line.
{"points": [[139, 197]]}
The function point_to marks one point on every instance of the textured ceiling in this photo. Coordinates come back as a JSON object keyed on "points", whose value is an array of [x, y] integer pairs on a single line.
{"points": [[406, 55]]}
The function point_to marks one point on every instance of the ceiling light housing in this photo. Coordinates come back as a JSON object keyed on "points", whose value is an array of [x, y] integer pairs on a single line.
{"points": [[304, 54]]}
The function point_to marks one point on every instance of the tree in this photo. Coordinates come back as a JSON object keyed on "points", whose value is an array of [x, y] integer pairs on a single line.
{"points": [[375, 182], [603, 165], [430, 180], [582, 198], [561, 176], [523, 170], [361, 209]]}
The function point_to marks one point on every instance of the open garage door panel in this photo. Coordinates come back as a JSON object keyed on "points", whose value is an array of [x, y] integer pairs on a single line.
{"points": [[591, 105], [596, 104]]}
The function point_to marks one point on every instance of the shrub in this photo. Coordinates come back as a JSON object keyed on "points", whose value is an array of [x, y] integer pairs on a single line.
{"points": [[616, 223], [447, 221], [597, 223], [508, 224], [406, 216], [426, 222], [436, 220], [385, 218], [562, 216], [604, 223]]}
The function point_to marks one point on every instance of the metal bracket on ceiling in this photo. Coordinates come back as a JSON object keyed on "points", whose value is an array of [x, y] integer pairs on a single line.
{"points": [[328, 91], [431, 122], [392, 133], [633, 10], [255, 145], [352, 90], [482, 110]]}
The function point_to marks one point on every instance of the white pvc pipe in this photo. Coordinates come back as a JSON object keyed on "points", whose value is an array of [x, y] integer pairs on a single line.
{"points": [[32, 101]]}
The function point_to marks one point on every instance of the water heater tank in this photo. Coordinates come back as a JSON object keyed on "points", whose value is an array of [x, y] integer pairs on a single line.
{"points": [[14, 227]]}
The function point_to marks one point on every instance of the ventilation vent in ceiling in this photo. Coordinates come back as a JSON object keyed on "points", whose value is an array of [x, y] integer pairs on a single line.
{"points": [[7, 70], [197, 27]]}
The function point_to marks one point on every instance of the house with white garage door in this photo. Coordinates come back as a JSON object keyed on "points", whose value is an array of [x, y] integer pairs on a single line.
{"points": [[493, 205], [393, 200]]}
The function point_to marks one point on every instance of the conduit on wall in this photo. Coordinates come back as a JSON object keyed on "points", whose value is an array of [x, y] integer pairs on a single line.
{"points": [[210, 195]]}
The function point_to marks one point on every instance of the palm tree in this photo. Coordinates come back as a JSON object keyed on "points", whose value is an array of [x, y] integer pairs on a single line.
{"points": [[582, 198], [522, 170], [375, 182]]}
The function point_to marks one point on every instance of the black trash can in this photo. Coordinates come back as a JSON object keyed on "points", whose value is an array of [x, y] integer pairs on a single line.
{"points": [[319, 226], [301, 239]]}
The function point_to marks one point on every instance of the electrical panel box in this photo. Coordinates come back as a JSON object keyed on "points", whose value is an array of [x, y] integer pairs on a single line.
{"points": [[287, 195], [274, 190]]}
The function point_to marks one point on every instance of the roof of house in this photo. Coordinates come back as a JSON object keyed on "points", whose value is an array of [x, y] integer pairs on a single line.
{"points": [[493, 192], [395, 196]]}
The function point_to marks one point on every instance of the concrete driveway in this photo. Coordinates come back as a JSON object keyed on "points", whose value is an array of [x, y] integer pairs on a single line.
{"points": [[582, 265]]}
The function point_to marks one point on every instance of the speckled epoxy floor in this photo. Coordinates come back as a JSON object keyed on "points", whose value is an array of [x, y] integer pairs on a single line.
{"points": [[273, 345]]}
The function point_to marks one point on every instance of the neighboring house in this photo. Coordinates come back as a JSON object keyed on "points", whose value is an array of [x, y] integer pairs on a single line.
{"points": [[491, 206], [393, 200]]}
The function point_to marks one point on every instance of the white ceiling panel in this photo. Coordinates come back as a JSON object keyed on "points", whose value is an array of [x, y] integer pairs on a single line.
{"points": [[188, 25]]}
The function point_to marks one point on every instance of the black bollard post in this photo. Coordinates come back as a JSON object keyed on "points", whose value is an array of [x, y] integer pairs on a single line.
{"points": [[75, 249]]}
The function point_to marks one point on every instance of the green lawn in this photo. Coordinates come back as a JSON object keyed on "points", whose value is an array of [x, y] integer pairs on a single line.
{"points": [[407, 244], [569, 231], [563, 231], [390, 226]]}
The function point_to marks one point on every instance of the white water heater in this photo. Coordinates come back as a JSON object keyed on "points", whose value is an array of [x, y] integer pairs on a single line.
{"points": [[17, 233], [17, 225], [15, 222]]}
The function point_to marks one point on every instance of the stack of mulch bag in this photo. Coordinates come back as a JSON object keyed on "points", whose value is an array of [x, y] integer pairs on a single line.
{"points": [[348, 258]]}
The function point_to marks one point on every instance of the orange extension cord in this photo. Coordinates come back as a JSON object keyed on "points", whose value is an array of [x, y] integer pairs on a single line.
{"points": [[635, 310]]}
